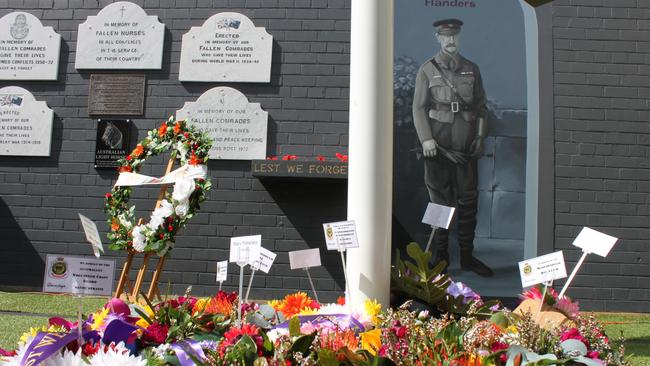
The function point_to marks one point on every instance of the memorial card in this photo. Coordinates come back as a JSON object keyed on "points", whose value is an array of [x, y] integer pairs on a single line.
{"points": [[28, 50], [549, 267], [265, 261], [592, 241], [25, 124], [238, 128], [121, 36], [304, 258], [222, 271], [245, 249], [228, 47], [92, 234], [341, 235], [78, 275], [438, 215]]}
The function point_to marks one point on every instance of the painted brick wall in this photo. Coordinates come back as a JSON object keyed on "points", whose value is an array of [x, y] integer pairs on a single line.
{"points": [[602, 180], [307, 101]]}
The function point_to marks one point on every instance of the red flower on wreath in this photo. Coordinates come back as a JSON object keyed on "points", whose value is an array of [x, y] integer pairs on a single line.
{"points": [[194, 160], [138, 151], [108, 195], [341, 157], [162, 131], [125, 168], [177, 128], [156, 333], [234, 334], [272, 157]]}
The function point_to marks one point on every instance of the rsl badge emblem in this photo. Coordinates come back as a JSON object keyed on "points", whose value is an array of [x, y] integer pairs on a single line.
{"points": [[20, 28], [59, 268], [527, 269], [329, 232]]}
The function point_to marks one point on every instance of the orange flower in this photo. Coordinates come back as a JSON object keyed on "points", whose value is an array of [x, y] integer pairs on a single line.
{"points": [[194, 160], [219, 305], [137, 152], [125, 168], [162, 131], [338, 339], [115, 225], [293, 304], [177, 128]]}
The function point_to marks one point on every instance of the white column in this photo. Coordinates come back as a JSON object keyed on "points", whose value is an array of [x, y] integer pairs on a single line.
{"points": [[370, 176]]}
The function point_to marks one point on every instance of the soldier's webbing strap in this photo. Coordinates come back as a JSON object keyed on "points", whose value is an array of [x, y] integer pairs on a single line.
{"points": [[449, 84]]}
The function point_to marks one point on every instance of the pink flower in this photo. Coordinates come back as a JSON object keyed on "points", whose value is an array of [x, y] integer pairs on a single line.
{"points": [[5, 353], [573, 333], [593, 355]]}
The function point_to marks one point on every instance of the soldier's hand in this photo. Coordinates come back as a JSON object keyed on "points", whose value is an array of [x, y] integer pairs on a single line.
{"points": [[429, 148], [477, 147]]}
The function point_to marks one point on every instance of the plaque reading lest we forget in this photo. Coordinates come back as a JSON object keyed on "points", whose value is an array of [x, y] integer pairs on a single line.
{"points": [[237, 128], [116, 95], [121, 36], [112, 142], [228, 47], [28, 51], [25, 124]]}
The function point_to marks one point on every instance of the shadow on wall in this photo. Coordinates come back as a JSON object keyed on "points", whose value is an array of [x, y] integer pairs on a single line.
{"points": [[23, 274]]}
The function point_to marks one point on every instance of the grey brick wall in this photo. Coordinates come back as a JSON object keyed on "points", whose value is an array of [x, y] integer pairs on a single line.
{"points": [[307, 101], [602, 85]]}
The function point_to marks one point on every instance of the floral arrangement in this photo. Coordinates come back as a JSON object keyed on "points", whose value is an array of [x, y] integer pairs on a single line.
{"points": [[191, 147], [298, 330]]}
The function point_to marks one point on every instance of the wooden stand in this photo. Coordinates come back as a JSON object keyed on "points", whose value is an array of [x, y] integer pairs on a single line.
{"points": [[124, 284]]}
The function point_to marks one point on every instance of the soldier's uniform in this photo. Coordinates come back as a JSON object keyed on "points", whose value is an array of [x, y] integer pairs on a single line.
{"points": [[451, 117]]}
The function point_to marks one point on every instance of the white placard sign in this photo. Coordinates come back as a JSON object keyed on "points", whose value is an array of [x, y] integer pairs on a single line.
{"points": [[25, 124], [120, 36], [304, 258], [237, 127], [544, 268], [92, 234], [92, 276], [222, 271], [245, 249], [438, 215], [28, 50], [227, 47], [592, 241], [341, 235], [266, 260]]}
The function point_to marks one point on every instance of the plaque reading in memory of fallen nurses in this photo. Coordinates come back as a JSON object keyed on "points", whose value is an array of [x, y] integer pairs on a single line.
{"points": [[112, 142], [28, 50], [237, 127], [116, 95], [25, 124], [121, 36], [228, 47]]}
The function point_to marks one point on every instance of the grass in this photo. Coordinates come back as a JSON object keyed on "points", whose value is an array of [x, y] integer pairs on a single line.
{"points": [[20, 311]]}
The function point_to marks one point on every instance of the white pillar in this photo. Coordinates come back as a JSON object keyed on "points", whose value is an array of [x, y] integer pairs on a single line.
{"points": [[370, 176]]}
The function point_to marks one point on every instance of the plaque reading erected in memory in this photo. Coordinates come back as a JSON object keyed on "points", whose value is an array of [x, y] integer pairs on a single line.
{"points": [[121, 36], [28, 51], [112, 142], [25, 124], [237, 128], [228, 47], [116, 95]]}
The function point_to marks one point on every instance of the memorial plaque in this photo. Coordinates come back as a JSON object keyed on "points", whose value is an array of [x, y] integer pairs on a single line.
{"points": [[112, 142], [28, 51], [237, 128], [25, 124], [228, 47], [299, 169], [121, 36], [116, 95]]}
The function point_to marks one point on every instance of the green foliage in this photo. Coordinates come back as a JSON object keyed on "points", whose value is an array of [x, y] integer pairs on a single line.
{"points": [[417, 279]]}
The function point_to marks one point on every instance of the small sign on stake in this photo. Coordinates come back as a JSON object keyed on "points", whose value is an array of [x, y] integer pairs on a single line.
{"points": [[92, 235], [341, 235], [306, 259], [78, 275], [549, 267], [437, 216], [264, 264], [222, 272], [245, 249]]}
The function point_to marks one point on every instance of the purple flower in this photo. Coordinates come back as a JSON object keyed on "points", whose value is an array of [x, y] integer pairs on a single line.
{"points": [[457, 289]]}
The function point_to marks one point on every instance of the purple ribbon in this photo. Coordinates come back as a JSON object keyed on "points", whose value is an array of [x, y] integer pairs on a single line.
{"points": [[46, 344], [118, 331], [186, 348], [346, 320]]}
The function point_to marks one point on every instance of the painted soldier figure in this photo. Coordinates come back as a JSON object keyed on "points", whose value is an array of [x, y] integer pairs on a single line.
{"points": [[450, 117]]}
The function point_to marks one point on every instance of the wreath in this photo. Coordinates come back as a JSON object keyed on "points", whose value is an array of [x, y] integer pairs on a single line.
{"points": [[191, 182]]}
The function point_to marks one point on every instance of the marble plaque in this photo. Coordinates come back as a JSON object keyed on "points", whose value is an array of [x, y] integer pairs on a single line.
{"points": [[25, 124], [228, 47], [28, 50], [121, 36], [237, 128]]}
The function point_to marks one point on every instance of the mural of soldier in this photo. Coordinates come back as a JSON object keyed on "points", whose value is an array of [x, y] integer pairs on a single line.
{"points": [[450, 117]]}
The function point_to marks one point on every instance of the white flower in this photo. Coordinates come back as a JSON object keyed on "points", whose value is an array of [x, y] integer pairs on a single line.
{"points": [[183, 189], [138, 238], [67, 359], [165, 209], [117, 357], [155, 222], [182, 150], [161, 350], [182, 208], [125, 222]]}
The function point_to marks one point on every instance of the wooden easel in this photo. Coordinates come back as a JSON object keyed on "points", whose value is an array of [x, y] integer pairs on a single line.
{"points": [[124, 281]]}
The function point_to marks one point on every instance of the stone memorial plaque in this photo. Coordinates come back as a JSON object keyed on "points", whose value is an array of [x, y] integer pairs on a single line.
{"points": [[25, 124], [237, 128], [228, 47], [112, 142], [121, 36], [116, 95], [28, 51]]}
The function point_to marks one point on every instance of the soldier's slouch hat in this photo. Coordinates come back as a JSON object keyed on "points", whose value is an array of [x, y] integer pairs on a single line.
{"points": [[448, 27]]}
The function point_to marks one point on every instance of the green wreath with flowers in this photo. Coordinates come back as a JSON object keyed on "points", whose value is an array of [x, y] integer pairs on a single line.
{"points": [[191, 146]]}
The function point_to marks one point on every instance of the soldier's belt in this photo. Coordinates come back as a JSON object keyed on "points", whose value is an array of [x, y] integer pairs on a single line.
{"points": [[453, 107]]}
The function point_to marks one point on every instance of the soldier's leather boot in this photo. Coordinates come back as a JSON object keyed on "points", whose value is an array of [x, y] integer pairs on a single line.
{"points": [[467, 210], [441, 242]]}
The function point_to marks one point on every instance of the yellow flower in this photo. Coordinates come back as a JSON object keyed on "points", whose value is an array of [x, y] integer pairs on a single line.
{"points": [[275, 304], [31, 333], [98, 318], [512, 329], [308, 311], [371, 341], [201, 304], [372, 309]]}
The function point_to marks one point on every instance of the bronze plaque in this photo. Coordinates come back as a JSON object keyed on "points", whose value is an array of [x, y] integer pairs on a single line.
{"points": [[116, 95]]}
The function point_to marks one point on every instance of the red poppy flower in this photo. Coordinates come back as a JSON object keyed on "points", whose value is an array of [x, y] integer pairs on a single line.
{"points": [[272, 157], [290, 157], [320, 158], [341, 157]]}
